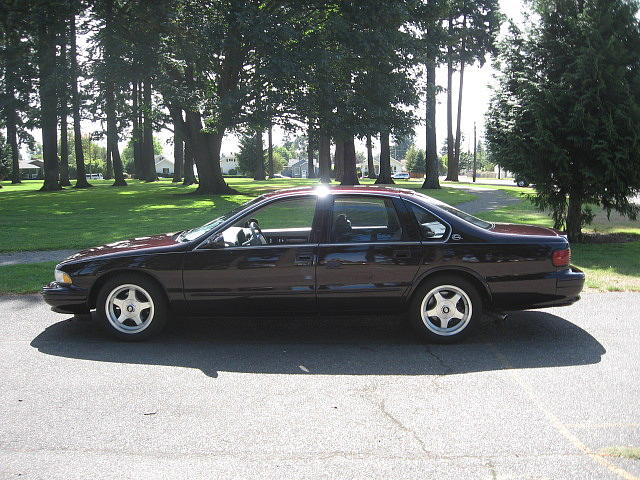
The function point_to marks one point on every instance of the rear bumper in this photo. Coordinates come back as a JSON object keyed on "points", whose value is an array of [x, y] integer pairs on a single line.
{"points": [[570, 282], [66, 298]]}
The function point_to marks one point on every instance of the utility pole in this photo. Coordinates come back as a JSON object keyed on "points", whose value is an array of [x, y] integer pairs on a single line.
{"points": [[475, 153]]}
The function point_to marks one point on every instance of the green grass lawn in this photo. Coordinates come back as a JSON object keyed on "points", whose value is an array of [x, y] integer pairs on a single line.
{"points": [[25, 278]]}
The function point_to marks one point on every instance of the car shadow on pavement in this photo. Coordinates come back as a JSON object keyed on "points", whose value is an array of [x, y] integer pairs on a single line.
{"points": [[330, 346]]}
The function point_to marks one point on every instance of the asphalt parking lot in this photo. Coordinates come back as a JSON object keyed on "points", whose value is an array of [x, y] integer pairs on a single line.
{"points": [[538, 396]]}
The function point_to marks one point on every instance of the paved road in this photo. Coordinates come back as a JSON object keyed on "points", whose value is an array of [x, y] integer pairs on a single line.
{"points": [[330, 398], [488, 199]]}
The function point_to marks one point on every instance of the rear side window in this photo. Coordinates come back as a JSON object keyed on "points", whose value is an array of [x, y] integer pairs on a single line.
{"points": [[358, 219], [431, 228]]}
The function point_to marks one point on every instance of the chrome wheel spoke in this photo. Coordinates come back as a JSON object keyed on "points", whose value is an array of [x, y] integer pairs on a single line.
{"points": [[119, 303], [444, 322], [143, 306], [456, 298], [458, 313]]}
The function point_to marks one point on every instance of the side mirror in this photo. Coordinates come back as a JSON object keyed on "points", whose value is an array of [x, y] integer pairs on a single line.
{"points": [[215, 241]]}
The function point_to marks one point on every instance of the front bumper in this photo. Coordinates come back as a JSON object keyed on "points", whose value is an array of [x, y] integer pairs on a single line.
{"points": [[66, 298]]}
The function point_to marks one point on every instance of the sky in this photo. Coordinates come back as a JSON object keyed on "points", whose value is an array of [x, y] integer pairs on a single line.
{"points": [[476, 96]]}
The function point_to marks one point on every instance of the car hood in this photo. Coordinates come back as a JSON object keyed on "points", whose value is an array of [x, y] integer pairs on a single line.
{"points": [[132, 245], [518, 229]]}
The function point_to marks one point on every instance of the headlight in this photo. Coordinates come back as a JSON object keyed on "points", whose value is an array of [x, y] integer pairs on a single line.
{"points": [[62, 277]]}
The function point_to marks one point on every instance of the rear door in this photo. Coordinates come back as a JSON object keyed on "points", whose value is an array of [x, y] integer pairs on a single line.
{"points": [[369, 255]]}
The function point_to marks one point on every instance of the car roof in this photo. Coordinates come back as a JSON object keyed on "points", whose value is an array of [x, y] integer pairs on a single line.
{"points": [[322, 189]]}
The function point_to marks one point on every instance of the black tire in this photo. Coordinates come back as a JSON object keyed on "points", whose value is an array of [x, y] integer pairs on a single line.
{"points": [[457, 329], [157, 315]]}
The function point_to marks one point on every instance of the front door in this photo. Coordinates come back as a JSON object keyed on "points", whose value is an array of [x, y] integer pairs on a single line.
{"points": [[267, 263], [368, 258]]}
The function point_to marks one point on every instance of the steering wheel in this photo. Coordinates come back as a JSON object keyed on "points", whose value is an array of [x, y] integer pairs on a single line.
{"points": [[257, 238]]}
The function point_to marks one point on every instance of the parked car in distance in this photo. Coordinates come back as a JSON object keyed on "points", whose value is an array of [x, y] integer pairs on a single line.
{"points": [[328, 250], [94, 176], [401, 176], [522, 181]]}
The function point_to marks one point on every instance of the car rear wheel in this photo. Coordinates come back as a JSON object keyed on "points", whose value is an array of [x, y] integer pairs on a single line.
{"points": [[445, 309], [132, 307]]}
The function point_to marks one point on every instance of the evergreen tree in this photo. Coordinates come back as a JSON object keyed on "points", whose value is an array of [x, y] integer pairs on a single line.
{"points": [[567, 112]]}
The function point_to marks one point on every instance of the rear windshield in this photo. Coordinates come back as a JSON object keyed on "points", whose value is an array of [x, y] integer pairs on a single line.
{"points": [[459, 213]]}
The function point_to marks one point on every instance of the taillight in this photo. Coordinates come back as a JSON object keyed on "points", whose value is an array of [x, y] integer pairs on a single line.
{"points": [[561, 258]]}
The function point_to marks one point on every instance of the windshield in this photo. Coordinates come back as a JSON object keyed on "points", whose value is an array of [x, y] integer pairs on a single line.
{"points": [[460, 214], [194, 233]]}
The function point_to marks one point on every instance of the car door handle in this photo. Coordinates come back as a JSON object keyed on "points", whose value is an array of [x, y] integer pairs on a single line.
{"points": [[402, 253], [304, 260]]}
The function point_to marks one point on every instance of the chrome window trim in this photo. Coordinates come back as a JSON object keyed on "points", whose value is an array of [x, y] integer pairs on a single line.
{"points": [[266, 201], [423, 242], [238, 215], [355, 244]]}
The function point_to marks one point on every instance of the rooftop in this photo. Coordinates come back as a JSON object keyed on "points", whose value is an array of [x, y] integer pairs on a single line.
{"points": [[322, 189]]}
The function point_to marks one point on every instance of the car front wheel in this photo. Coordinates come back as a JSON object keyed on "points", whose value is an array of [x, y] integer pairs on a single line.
{"points": [[446, 308], [132, 307]]}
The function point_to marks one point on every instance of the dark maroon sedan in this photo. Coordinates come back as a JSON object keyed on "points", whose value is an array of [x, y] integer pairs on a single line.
{"points": [[326, 250]]}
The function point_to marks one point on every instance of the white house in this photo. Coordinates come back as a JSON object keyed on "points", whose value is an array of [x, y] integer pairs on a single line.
{"points": [[396, 167], [164, 166], [227, 164]]}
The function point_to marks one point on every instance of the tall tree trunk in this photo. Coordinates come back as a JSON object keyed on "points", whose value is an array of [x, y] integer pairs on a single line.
{"points": [[324, 156], [349, 172], [270, 151], [385, 160], [459, 118], [338, 159], [574, 218], [81, 172], [180, 135], [258, 174], [206, 156], [189, 177], [64, 111], [48, 104], [148, 157], [452, 166], [370, 165], [10, 114], [117, 170], [432, 170], [311, 168], [113, 138], [178, 154], [136, 136], [460, 90], [108, 175]]}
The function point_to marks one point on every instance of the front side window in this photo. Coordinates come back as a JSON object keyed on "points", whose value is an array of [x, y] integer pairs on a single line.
{"points": [[431, 228], [283, 222], [360, 219]]}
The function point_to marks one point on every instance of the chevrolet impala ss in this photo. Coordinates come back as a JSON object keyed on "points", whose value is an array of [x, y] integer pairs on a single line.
{"points": [[323, 250]]}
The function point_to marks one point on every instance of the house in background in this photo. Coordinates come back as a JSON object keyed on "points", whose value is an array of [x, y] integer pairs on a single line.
{"points": [[164, 166], [228, 165], [31, 169], [396, 167], [299, 169]]}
